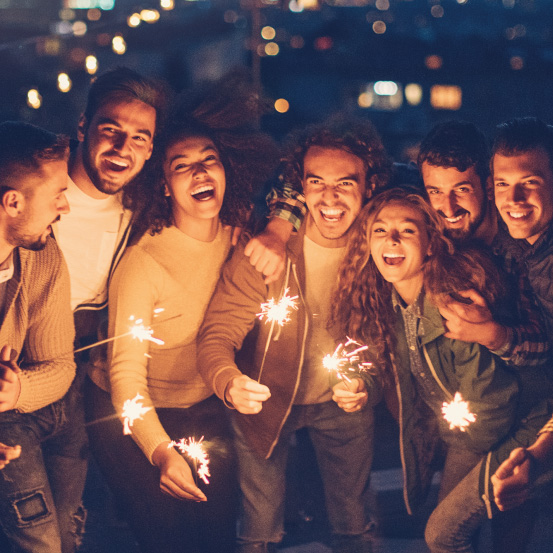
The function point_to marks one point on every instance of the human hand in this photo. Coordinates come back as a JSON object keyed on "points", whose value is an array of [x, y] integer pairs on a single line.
{"points": [[8, 453], [176, 477], [10, 386], [350, 396], [472, 321], [247, 395], [512, 481], [267, 250]]}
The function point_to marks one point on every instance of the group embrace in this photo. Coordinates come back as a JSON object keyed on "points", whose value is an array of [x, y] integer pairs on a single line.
{"points": [[443, 271]]}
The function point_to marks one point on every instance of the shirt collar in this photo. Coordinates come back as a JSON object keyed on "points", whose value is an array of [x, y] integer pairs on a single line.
{"points": [[6, 269]]}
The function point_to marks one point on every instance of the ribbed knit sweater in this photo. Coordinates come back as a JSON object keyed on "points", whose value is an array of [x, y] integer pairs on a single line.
{"points": [[38, 325], [178, 274]]}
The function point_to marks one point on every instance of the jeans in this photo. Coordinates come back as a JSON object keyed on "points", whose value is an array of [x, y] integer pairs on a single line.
{"points": [[343, 444], [160, 522], [41, 491], [454, 522]]}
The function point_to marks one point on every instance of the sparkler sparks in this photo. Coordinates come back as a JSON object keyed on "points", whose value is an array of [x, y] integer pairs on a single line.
{"points": [[278, 311], [141, 332], [457, 413], [346, 363], [195, 450], [133, 409]]}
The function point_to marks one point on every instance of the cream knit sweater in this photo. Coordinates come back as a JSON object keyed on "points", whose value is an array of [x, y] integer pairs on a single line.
{"points": [[178, 274]]}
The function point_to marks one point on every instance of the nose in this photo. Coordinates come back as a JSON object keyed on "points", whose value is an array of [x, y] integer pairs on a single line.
{"points": [[449, 204], [393, 236], [121, 141], [63, 206], [198, 170], [330, 193], [516, 194]]}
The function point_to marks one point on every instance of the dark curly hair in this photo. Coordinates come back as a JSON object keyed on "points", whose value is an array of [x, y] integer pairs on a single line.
{"points": [[227, 113], [356, 136]]}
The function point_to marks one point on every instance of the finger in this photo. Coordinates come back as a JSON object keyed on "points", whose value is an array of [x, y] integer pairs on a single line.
{"points": [[182, 490], [475, 297], [5, 353], [515, 459], [236, 232], [7, 374], [251, 385], [279, 269]]}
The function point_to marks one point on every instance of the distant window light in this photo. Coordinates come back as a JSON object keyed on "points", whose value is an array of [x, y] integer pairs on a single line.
{"points": [[282, 105], [91, 64], [385, 88], [446, 97], [268, 33], [433, 62], [94, 14], [379, 27], [79, 28], [413, 94], [166, 4], [89, 4], [365, 100], [119, 45], [134, 20], [382, 5], [517, 63], [272, 48], [64, 82], [34, 99]]}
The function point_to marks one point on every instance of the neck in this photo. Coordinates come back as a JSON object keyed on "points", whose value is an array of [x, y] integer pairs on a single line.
{"points": [[487, 229], [80, 177], [409, 290], [204, 230], [6, 250]]}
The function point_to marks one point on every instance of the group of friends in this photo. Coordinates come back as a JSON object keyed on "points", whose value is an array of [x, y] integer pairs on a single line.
{"points": [[444, 271]]}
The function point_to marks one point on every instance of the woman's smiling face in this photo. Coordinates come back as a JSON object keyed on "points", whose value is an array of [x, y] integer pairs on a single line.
{"points": [[399, 244]]}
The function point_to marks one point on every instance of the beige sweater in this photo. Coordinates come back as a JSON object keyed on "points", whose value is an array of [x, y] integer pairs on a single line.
{"points": [[38, 325], [178, 274]]}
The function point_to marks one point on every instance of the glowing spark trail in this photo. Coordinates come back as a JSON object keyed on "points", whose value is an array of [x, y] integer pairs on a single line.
{"points": [[457, 413], [278, 311], [346, 363], [195, 450], [133, 409]]}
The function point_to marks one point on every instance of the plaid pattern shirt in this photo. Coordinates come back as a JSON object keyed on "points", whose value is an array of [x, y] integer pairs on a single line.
{"points": [[287, 203], [548, 427]]}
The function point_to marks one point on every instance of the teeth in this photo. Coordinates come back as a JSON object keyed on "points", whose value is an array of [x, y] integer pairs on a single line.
{"points": [[517, 214], [205, 188], [331, 212], [393, 255], [454, 219], [119, 162]]}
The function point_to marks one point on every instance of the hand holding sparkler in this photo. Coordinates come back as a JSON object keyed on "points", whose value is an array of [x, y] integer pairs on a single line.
{"points": [[246, 395], [176, 478], [350, 397]]}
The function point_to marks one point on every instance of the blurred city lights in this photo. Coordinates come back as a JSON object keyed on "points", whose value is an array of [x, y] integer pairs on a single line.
{"points": [[437, 11], [517, 63], [379, 27], [34, 99], [91, 64], [382, 5], [268, 33], [119, 45], [94, 14], [433, 62], [385, 88], [282, 105], [297, 41], [79, 28], [134, 20], [166, 4], [149, 16], [365, 100], [272, 49], [64, 82], [446, 97], [413, 94]]}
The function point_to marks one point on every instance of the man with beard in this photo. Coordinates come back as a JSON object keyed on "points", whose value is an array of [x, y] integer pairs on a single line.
{"points": [[42, 436], [277, 385], [115, 139], [454, 162]]}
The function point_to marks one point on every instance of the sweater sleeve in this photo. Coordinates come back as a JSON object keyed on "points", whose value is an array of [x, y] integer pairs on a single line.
{"points": [[133, 290], [230, 316], [48, 367]]}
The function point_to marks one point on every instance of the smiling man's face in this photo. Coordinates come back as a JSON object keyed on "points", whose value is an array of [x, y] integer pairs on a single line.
{"points": [[334, 189], [116, 142]]}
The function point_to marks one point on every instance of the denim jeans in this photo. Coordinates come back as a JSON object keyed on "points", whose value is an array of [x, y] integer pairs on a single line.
{"points": [[454, 522], [161, 523], [41, 491], [343, 444]]}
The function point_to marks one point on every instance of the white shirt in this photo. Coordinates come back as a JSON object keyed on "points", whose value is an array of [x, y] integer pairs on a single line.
{"points": [[87, 236]]}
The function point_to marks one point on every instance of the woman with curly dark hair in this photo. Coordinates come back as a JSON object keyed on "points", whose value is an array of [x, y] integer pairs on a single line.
{"points": [[210, 159], [398, 267]]}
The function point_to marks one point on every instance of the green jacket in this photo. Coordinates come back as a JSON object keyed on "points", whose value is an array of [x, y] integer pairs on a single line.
{"points": [[490, 389]]}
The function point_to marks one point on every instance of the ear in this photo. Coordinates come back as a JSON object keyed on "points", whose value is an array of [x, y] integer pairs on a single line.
{"points": [[13, 202], [166, 190], [81, 128], [149, 154], [370, 186], [489, 188]]}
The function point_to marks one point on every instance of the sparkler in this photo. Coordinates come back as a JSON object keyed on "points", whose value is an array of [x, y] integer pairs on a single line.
{"points": [[346, 363], [457, 413], [195, 450], [133, 409], [137, 330], [278, 311]]}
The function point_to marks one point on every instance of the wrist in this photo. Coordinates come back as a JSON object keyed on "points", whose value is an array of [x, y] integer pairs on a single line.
{"points": [[279, 228], [499, 338]]}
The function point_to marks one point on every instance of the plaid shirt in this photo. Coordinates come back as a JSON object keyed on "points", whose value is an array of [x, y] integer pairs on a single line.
{"points": [[548, 427], [287, 203]]}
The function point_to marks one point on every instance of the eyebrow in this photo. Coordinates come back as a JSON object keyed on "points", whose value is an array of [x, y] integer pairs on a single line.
{"points": [[184, 156], [413, 221], [109, 121], [347, 177], [462, 183]]}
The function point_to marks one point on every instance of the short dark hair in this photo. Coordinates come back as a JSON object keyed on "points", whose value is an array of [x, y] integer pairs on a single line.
{"points": [[356, 136], [457, 144], [123, 83], [24, 148], [522, 134]]}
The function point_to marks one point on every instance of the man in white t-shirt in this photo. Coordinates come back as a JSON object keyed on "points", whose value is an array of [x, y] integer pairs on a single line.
{"points": [[115, 139]]}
